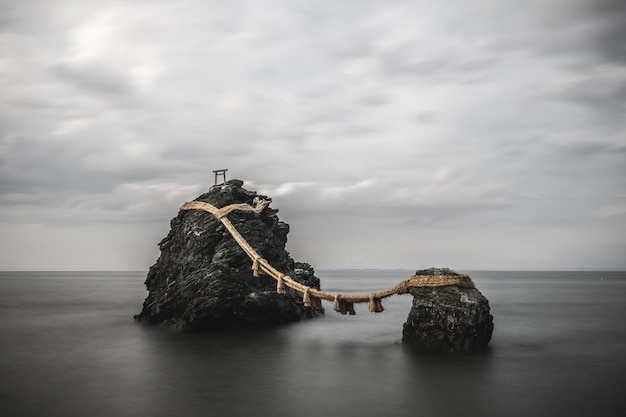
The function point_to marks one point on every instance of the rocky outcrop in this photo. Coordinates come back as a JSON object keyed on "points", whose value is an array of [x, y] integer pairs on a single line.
{"points": [[204, 280], [449, 318]]}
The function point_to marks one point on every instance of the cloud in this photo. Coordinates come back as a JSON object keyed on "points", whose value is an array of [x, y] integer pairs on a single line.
{"points": [[580, 33], [607, 28], [602, 91], [95, 77], [364, 121]]}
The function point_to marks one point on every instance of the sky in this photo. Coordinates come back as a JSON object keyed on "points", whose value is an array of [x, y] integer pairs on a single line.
{"points": [[475, 134]]}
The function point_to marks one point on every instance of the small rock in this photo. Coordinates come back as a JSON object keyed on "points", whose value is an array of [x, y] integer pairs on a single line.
{"points": [[450, 318]]}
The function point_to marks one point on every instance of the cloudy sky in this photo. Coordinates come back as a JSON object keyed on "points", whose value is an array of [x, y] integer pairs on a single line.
{"points": [[390, 134]]}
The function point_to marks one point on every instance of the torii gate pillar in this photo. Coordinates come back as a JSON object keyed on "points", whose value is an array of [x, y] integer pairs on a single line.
{"points": [[220, 173]]}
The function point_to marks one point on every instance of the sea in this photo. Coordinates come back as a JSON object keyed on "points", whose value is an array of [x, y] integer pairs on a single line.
{"points": [[69, 347]]}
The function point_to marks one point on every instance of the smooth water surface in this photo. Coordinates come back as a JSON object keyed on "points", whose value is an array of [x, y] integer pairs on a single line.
{"points": [[69, 347]]}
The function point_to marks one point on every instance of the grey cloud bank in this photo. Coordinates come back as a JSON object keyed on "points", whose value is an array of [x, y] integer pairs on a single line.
{"points": [[396, 134]]}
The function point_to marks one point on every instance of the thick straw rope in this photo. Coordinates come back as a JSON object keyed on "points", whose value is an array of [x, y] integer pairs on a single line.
{"points": [[312, 297]]}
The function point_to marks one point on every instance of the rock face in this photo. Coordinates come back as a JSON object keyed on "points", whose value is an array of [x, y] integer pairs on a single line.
{"points": [[450, 318], [204, 280]]}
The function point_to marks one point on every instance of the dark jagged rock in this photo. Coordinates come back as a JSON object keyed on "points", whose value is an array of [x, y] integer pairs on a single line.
{"points": [[204, 280], [451, 318]]}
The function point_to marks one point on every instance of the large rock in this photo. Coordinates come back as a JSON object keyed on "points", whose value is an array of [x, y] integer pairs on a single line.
{"points": [[449, 318], [204, 280]]}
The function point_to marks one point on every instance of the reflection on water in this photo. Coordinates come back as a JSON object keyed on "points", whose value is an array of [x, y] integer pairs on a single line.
{"points": [[70, 348]]}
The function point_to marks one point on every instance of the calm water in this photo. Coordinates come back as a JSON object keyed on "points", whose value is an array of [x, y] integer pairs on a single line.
{"points": [[69, 347]]}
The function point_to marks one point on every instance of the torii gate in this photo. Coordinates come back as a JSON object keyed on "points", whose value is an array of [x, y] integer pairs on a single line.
{"points": [[218, 173]]}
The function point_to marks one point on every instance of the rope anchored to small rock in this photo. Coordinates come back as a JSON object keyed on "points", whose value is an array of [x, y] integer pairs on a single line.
{"points": [[312, 297]]}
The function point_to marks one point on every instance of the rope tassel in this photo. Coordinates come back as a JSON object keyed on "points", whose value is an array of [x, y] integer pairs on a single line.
{"points": [[306, 298], [337, 304], [350, 309], [375, 305], [255, 267], [343, 307], [281, 288], [317, 303]]}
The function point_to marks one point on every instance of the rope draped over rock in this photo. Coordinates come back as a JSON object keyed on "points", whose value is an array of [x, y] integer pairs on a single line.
{"points": [[311, 297]]}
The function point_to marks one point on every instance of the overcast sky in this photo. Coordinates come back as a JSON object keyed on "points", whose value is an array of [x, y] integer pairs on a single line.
{"points": [[390, 134]]}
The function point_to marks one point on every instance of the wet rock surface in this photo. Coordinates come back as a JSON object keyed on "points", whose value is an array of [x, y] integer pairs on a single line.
{"points": [[203, 280], [447, 319]]}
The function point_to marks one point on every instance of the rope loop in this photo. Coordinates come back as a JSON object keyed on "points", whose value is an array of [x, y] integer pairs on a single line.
{"points": [[402, 288]]}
